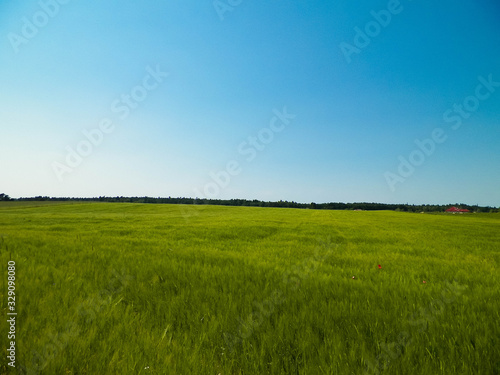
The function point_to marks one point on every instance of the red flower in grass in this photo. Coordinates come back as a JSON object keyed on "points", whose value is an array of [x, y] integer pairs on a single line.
{"points": [[425, 282], [379, 267]]}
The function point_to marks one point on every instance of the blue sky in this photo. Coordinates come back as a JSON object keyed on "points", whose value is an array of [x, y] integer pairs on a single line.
{"points": [[186, 89]]}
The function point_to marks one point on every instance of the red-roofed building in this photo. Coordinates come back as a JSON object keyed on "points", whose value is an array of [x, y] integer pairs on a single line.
{"points": [[455, 210]]}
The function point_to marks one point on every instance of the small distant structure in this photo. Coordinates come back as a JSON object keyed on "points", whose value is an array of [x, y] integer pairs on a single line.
{"points": [[456, 210]]}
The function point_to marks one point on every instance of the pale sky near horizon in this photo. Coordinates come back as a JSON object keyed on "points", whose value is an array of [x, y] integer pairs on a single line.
{"points": [[367, 101]]}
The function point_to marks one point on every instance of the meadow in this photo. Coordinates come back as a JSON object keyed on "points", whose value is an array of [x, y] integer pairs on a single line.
{"points": [[118, 288]]}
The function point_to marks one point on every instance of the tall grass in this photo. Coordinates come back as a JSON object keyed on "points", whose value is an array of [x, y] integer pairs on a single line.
{"points": [[165, 289]]}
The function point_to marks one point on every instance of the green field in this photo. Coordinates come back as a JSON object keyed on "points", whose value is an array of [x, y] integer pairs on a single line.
{"points": [[105, 288]]}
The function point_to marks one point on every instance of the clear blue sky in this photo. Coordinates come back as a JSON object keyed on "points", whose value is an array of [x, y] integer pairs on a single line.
{"points": [[360, 101]]}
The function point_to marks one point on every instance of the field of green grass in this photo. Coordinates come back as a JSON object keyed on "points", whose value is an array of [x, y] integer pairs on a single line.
{"points": [[105, 288]]}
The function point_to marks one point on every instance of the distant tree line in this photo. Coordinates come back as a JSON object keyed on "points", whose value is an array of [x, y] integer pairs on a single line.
{"points": [[4, 197], [258, 203]]}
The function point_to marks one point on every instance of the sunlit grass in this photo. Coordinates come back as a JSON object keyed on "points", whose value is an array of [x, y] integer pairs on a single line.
{"points": [[160, 289]]}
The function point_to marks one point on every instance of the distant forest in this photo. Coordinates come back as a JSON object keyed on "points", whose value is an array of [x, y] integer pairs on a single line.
{"points": [[257, 203]]}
